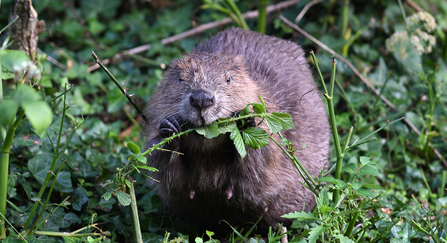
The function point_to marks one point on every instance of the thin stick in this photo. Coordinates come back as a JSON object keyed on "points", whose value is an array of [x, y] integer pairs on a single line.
{"points": [[366, 81], [196, 31], [123, 90]]}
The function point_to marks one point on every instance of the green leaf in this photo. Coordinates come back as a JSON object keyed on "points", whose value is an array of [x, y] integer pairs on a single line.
{"points": [[12, 60], [39, 114], [315, 233], [273, 124], [79, 198], [443, 200], [368, 170], [210, 131], [106, 204], [25, 93], [339, 183], [68, 219], [323, 198], [238, 143], [302, 216], [365, 192], [133, 148], [123, 198], [63, 182], [255, 137], [325, 209], [375, 186], [350, 168], [356, 185], [107, 195], [284, 119], [343, 239], [8, 109], [144, 167], [259, 108], [365, 160], [141, 158]]}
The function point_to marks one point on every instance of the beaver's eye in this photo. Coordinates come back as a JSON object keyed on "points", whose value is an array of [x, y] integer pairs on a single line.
{"points": [[180, 80], [228, 79]]}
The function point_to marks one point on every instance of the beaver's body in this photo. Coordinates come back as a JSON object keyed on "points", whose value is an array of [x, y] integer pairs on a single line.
{"points": [[210, 182]]}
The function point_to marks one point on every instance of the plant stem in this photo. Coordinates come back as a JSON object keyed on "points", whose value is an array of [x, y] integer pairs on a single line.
{"points": [[136, 221], [344, 19], [333, 123], [4, 167], [236, 10], [262, 18]]}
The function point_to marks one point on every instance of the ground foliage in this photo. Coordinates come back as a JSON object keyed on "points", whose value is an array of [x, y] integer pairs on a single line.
{"points": [[397, 178]]}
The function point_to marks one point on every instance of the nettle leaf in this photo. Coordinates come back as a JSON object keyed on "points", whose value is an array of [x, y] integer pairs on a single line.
{"points": [[368, 170], [8, 109], [210, 131], [39, 114], [255, 137], [301, 216], [350, 168], [133, 148], [238, 143], [123, 198]]}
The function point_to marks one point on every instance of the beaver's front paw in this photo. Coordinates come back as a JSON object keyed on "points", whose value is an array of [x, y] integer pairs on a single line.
{"points": [[244, 123], [168, 127]]}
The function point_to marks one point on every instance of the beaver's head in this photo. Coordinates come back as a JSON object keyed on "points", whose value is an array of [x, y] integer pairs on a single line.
{"points": [[209, 87]]}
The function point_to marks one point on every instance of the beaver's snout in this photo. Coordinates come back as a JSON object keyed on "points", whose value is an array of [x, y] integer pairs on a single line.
{"points": [[201, 99]]}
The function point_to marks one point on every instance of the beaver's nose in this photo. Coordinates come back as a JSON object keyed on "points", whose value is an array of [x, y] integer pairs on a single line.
{"points": [[201, 99]]}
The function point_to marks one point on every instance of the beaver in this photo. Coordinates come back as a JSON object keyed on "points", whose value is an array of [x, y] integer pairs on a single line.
{"points": [[209, 181]]}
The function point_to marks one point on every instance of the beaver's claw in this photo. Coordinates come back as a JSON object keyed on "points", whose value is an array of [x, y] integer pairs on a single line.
{"points": [[169, 126], [244, 123]]}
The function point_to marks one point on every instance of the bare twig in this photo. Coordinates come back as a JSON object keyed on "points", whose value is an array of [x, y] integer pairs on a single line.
{"points": [[366, 81], [123, 90], [196, 31], [307, 7]]}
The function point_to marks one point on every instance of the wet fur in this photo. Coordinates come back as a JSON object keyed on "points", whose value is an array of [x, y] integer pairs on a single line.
{"points": [[221, 184]]}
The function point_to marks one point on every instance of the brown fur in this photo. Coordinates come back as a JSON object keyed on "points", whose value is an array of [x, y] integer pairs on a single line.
{"points": [[210, 182]]}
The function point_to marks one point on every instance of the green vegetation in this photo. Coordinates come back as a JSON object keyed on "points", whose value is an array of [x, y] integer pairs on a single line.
{"points": [[72, 164]]}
